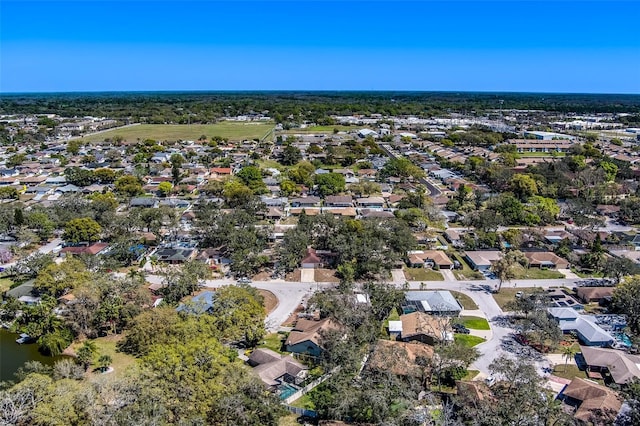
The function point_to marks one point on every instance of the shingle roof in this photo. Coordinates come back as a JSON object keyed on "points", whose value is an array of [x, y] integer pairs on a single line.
{"points": [[623, 367], [594, 399]]}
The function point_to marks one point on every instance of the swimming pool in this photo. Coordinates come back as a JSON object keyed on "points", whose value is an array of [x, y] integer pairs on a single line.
{"points": [[624, 339], [286, 390]]}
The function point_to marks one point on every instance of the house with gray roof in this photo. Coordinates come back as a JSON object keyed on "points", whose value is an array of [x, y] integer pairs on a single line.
{"points": [[439, 302], [275, 370], [585, 326]]}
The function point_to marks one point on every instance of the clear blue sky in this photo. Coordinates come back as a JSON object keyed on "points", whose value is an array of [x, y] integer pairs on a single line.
{"points": [[547, 46]]}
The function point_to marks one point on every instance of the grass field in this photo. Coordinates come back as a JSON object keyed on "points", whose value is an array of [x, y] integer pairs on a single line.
{"points": [[5, 284], [304, 402], [474, 323], [422, 274], [172, 132], [107, 346], [506, 295], [537, 274], [273, 341], [468, 339]]}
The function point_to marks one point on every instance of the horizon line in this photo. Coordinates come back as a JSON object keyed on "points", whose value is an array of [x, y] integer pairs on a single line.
{"points": [[168, 91]]}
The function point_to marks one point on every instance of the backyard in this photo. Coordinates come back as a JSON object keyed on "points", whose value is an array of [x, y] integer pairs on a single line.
{"points": [[273, 341], [160, 132]]}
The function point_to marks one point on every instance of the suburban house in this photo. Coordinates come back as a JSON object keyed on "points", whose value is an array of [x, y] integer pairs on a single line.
{"points": [[305, 202], [306, 336], [275, 369], [622, 367], [435, 259], [175, 256], [482, 260], [338, 201], [421, 327], [92, 250], [400, 358], [312, 260], [545, 260], [453, 237], [438, 302], [594, 294], [370, 202], [146, 202], [220, 172], [589, 333], [591, 403]]}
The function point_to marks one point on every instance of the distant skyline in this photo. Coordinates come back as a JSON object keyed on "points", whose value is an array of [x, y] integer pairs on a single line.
{"points": [[145, 45]]}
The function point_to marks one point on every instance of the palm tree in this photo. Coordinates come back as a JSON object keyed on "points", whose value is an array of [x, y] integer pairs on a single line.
{"points": [[104, 361], [568, 352], [85, 353]]}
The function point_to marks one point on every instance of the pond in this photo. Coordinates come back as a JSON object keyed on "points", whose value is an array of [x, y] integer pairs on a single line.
{"points": [[13, 355]]}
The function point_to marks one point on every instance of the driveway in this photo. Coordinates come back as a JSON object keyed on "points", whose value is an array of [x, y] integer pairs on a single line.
{"points": [[307, 275]]}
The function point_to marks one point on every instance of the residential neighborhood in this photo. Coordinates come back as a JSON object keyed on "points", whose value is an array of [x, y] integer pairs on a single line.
{"points": [[441, 254]]}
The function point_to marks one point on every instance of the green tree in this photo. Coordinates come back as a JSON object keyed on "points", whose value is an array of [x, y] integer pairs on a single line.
{"points": [[505, 268], [104, 361], [56, 279], [128, 185], [85, 354], [165, 188], [290, 155], [43, 226], [626, 300], [7, 193], [73, 147], [330, 183], [82, 230], [239, 314], [568, 353], [524, 186]]}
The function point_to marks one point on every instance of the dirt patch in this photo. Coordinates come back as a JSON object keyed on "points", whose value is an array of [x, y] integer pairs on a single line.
{"points": [[326, 275], [293, 276], [290, 322], [270, 300], [262, 276]]}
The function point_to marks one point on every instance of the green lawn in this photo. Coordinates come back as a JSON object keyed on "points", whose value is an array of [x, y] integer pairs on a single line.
{"points": [[474, 323], [304, 402], [422, 274], [5, 284], [471, 374], [468, 339], [465, 301], [273, 341], [267, 163], [537, 274], [107, 346], [571, 372], [508, 294], [466, 273], [160, 132]]}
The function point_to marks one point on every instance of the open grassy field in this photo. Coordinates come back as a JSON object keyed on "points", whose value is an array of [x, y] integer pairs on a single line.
{"points": [[172, 132], [468, 339], [507, 295], [422, 274], [107, 346], [537, 274], [474, 323]]}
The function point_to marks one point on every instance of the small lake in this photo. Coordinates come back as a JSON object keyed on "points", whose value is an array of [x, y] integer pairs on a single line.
{"points": [[13, 355]]}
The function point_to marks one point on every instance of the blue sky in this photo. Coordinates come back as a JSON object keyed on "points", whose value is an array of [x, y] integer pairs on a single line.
{"points": [[545, 46]]}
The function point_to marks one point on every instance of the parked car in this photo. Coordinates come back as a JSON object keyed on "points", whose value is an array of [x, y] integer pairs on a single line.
{"points": [[244, 280], [459, 328]]}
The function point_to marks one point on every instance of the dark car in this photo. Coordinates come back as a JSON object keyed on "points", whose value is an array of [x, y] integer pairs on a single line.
{"points": [[459, 328]]}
